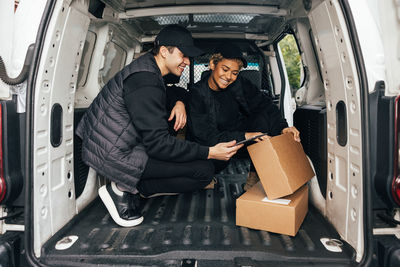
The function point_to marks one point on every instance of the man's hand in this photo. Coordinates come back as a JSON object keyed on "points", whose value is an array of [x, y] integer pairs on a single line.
{"points": [[252, 134], [179, 112], [294, 131], [223, 151]]}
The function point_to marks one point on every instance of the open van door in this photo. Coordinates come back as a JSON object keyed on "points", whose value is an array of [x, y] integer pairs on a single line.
{"points": [[19, 28]]}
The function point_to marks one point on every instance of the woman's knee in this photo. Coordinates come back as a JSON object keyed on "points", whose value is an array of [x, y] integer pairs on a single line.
{"points": [[204, 170]]}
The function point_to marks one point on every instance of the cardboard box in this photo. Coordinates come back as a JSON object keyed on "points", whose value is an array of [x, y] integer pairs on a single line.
{"points": [[281, 164], [253, 212]]}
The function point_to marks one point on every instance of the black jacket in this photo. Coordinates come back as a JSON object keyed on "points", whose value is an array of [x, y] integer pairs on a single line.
{"points": [[122, 128], [203, 126]]}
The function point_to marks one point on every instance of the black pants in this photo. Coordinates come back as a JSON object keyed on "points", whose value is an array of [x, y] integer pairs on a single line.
{"points": [[253, 123], [173, 177]]}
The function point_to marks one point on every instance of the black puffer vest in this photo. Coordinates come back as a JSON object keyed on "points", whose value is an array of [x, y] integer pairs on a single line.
{"points": [[111, 144]]}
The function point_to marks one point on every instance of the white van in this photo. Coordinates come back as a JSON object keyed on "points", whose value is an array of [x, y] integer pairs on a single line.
{"points": [[57, 55]]}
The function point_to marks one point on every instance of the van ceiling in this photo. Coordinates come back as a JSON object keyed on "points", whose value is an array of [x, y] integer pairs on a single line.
{"points": [[254, 19], [124, 5]]}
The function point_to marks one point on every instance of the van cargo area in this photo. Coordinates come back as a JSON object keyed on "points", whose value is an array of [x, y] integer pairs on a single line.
{"points": [[199, 229], [195, 227], [330, 66]]}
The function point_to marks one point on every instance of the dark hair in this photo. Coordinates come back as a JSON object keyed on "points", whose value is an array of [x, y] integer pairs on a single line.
{"points": [[215, 58], [156, 49]]}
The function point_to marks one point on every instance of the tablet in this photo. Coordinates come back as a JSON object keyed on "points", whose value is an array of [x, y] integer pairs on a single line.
{"points": [[246, 141]]}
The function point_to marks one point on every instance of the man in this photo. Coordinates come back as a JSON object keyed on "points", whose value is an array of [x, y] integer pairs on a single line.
{"points": [[125, 133]]}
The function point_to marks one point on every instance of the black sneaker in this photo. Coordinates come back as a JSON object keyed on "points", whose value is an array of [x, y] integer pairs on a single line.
{"points": [[124, 208]]}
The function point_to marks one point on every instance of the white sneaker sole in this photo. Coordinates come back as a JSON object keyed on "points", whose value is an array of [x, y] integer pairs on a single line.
{"points": [[109, 203]]}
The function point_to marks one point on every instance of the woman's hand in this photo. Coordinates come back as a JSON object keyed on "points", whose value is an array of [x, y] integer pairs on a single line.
{"points": [[294, 131], [179, 112], [223, 151]]}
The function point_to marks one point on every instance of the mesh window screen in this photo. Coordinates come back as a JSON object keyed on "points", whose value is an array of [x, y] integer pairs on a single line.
{"points": [[205, 18], [223, 18], [184, 81], [174, 19]]}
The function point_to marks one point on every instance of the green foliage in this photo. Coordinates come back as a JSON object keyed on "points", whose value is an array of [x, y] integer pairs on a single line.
{"points": [[292, 60]]}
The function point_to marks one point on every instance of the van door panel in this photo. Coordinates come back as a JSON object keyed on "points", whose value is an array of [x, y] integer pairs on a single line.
{"points": [[338, 69], [56, 85]]}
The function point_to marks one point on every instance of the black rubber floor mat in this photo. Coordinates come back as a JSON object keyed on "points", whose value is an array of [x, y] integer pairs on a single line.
{"points": [[194, 228]]}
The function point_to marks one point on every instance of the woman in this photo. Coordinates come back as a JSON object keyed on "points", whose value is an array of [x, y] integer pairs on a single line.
{"points": [[224, 106]]}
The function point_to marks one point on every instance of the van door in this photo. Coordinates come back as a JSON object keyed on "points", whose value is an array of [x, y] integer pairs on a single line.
{"points": [[345, 92], [54, 95], [19, 26]]}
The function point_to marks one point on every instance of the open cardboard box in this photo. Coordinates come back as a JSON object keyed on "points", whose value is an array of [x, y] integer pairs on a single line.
{"points": [[281, 164], [253, 212]]}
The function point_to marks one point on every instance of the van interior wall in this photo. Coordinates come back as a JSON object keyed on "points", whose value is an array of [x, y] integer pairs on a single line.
{"points": [[312, 92], [310, 115], [53, 185], [344, 199], [97, 60]]}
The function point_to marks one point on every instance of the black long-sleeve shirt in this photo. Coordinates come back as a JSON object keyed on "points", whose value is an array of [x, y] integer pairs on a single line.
{"points": [[145, 99], [213, 119]]}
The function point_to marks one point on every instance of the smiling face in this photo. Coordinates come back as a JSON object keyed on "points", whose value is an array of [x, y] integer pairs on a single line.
{"points": [[224, 73], [175, 61]]}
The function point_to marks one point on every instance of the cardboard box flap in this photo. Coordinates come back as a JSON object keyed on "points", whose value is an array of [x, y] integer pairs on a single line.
{"points": [[292, 159], [261, 151], [257, 193]]}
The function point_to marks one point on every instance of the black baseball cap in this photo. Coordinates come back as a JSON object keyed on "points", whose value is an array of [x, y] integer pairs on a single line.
{"points": [[175, 35], [231, 51]]}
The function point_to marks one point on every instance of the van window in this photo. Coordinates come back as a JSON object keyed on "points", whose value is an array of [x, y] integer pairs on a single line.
{"points": [[114, 60], [86, 58], [293, 64]]}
